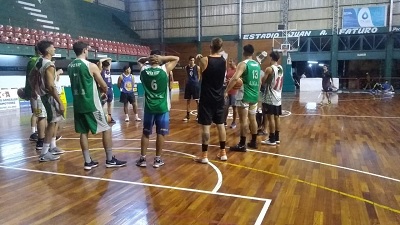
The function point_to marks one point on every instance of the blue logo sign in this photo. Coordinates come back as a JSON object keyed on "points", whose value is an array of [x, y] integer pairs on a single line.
{"points": [[356, 17]]}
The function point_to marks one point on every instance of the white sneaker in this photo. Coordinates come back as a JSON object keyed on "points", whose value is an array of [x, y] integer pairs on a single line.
{"points": [[267, 142], [201, 160], [56, 151], [138, 119], [48, 157], [127, 119]]}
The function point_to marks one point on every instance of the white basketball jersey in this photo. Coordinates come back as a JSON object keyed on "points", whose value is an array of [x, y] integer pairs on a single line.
{"points": [[273, 91]]}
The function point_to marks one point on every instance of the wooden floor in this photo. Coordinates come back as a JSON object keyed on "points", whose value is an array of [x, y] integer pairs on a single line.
{"points": [[337, 164]]}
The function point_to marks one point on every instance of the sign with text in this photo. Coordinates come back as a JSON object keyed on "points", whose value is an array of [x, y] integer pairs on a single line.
{"points": [[9, 99], [296, 33], [372, 16]]}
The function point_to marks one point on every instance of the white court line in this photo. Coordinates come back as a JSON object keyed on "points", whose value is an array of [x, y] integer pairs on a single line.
{"points": [[215, 189], [280, 155], [138, 183], [268, 153], [326, 164], [264, 210], [259, 220], [350, 116]]}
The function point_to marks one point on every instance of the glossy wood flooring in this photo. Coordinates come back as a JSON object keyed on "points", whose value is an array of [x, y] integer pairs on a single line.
{"points": [[337, 164]]}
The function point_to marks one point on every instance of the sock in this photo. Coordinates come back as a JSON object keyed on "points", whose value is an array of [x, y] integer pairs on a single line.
{"points": [[33, 129], [86, 156], [53, 143], [137, 116], [45, 148], [157, 157], [126, 116], [222, 144], [204, 147], [254, 138], [272, 137], [109, 154], [242, 141]]}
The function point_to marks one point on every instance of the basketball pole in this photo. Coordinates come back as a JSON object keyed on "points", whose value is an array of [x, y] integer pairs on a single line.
{"points": [[286, 61]]}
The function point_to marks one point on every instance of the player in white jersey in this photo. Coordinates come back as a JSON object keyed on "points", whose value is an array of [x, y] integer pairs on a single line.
{"points": [[272, 98]]}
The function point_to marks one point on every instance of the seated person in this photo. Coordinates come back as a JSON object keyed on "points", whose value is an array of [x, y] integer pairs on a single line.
{"points": [[386, 87]]}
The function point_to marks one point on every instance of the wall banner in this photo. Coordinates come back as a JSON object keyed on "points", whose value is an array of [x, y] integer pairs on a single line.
{"points": [[372, 16], [9, 98]]}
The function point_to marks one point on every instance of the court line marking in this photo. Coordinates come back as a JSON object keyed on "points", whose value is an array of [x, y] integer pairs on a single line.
{"points": [[250, 150], [317, 186], [350, 116], [260, 218], [217, 170], [280, 155]]}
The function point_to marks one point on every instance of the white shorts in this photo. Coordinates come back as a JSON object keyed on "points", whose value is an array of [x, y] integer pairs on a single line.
{"points": [[251, 107], [38, 108], [52, 109]]}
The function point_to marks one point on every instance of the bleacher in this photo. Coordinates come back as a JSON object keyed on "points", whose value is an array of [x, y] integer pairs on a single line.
{"points": [[105, 29]]}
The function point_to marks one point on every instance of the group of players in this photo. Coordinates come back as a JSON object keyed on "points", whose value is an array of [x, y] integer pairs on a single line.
{"points": [[216, 91]]}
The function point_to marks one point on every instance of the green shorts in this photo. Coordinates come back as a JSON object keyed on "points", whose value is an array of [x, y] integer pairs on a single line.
{"points": [[95, 122]]}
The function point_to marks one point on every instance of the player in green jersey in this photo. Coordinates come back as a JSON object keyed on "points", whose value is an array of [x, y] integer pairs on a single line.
{"points": [[247, 97], [88, 112], [155, 80]]}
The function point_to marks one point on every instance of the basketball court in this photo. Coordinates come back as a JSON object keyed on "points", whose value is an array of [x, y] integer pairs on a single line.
{"points": [[336, 164]]}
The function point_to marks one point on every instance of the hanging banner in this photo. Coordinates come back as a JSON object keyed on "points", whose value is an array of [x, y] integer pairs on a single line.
{"points": [[9, 98], [372, 16]]}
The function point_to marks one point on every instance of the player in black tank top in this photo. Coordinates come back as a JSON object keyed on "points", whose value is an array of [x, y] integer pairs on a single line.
{"points": [[212, 82], [211, 104]]}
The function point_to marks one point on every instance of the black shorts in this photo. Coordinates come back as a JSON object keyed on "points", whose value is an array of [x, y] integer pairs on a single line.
{"points": [[211, 113], [271, 109], [192, 91], [127, 97]]}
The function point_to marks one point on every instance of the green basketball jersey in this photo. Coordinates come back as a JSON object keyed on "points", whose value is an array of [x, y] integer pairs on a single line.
{"points": [[31, 64], [251, 81], [155, 85], [83, 86]]}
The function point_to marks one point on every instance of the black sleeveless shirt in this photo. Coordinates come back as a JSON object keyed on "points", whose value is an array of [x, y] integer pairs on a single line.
{"points": [[212, 80]]}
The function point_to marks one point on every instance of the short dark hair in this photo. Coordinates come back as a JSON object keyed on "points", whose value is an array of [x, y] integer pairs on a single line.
{"points": [[126, 67], [248, 50], [43, 45], [37, 50], [275, 56], [79, 46], [105, 63], [155, 52], [216, 44], [191, 57]]}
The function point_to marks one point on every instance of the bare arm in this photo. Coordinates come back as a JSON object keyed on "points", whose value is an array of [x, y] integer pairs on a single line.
{"points": [[239, 71], [119, 82], [50, 85], [267, 73], [171, 61], [203, 62], [58, 73], [198, 69], [94, 70], [33, 78], [171, 74], [142, 61]]}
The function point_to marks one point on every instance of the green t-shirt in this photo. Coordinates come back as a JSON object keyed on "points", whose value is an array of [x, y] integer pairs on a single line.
{"points": [[251, 81], [84, 88], [155, 84], [31, 64]]}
